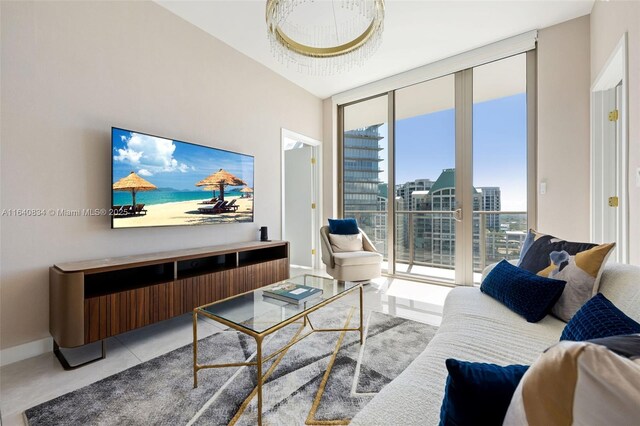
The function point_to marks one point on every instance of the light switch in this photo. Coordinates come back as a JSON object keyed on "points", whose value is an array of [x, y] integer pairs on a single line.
{"points": [[543, 188], [638, 177]]}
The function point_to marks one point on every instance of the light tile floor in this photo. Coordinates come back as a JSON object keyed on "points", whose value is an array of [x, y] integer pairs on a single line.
{"points": [[39, 379]]}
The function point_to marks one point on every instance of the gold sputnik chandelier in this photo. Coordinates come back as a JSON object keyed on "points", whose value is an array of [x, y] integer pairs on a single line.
{"points": [[324, 37]]}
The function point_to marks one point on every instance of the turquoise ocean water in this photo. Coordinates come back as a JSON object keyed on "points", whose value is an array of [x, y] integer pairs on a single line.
{"points": [[162, 196]]}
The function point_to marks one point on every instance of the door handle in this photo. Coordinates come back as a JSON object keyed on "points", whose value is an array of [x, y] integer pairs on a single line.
{"points": [[457, 215]]}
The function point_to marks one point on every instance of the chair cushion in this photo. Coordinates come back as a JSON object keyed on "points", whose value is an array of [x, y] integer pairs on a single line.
{"points": [[343, 226], [342, 243], [598, 318], [523, 292], [579, 264], [353, 258]]}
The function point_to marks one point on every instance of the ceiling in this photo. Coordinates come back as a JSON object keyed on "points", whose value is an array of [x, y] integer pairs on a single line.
{"points": [[416, 32]]}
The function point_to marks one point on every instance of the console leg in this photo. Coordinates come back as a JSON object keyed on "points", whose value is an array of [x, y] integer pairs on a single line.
{"points": [[65, 364]]}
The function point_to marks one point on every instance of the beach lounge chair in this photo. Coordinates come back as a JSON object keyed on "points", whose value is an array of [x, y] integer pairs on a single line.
{"points": [[125, 210], [211, 201], [139, 210], [211, 209], [222, 207], [231, 206]]}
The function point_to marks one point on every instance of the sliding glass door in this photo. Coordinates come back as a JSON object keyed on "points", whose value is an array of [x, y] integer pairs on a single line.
{"points": [[439, 173], [425, 155]]}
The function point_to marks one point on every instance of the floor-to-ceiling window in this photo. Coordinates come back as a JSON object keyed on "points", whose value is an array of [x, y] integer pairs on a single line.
{"points": [[448, 162], [364, 168], [499, 160]]}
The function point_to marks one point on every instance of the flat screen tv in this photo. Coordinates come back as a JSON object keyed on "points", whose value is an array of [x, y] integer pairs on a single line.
{"points": [[157, 181]]}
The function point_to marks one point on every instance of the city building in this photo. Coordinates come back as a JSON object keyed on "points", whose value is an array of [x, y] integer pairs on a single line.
{"points": [[429, 238], [491, 202], [361, 176]]}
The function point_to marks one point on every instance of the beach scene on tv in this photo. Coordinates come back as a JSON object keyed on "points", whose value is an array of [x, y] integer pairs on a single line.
{"points": [[164, 182]]}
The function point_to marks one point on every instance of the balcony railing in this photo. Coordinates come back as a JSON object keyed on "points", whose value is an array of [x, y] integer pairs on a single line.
{"points": [[426, 238]]}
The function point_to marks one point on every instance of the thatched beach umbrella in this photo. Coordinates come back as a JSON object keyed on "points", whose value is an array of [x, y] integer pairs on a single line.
{"points": [[213, 188], [133, 183], [247, 190], [221, 178]]}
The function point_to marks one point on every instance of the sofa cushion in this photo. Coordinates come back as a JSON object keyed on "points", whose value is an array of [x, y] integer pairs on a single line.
{"points": [[343, 226], [478, 393], [341, 243], [599, 318], [523, 292], [585, 383], [579, 264], [354, 258]]}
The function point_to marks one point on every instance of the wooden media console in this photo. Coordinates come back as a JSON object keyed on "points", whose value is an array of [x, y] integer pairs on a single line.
{"points": [[92, 300]]}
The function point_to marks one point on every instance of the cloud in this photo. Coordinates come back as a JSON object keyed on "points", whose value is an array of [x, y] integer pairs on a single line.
{"points": [[144, 172], [128, 156], [154, 154]]}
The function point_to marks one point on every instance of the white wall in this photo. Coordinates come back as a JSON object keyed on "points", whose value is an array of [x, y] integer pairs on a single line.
{"points": [[609, 21], [71, 70], [563, 129]]}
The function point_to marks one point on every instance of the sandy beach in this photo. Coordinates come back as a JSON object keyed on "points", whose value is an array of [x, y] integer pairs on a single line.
{"points": [[186, 213]]}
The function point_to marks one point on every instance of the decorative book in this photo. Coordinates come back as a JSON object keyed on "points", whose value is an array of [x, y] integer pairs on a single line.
{"points": [[292, 293]]}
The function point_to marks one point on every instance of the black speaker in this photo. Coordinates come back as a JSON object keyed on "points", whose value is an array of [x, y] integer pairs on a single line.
{"points": [[264, 234]]}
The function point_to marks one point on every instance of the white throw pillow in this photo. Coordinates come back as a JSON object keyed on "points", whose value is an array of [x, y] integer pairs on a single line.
{"points": [[342, 243]]}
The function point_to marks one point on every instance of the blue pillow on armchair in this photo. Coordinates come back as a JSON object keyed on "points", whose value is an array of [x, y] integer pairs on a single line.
{"points": [[524, 292], [343, 226], [477, 393]]}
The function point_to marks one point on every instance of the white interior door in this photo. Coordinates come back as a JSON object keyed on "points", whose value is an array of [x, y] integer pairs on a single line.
{"points": [[298, 193], [609, 164]]}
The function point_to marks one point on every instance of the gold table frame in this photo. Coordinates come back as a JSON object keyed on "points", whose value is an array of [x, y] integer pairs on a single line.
{"points": [[259, 337]]}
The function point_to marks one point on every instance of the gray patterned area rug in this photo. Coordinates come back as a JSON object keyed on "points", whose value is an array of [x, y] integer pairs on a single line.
{"points": [[324, 379]]}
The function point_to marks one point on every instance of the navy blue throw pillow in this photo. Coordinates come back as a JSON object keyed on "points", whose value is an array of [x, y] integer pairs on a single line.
{"points": [[524, 292], [598, 318], [343, 226], [478, 393]]}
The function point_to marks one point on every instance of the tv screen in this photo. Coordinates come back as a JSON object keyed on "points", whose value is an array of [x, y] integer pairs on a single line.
{"points": [[164, 182]]}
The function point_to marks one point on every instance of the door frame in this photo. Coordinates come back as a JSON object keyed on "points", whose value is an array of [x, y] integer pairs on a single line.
{"points": [[316, 149], [614, 71]]}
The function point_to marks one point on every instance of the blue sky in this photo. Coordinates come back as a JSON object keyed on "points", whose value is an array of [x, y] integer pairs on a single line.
{"points": [[425, 145], [173, 164]]}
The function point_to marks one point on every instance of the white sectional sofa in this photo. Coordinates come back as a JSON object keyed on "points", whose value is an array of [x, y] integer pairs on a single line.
{"points": [[477, 328]]}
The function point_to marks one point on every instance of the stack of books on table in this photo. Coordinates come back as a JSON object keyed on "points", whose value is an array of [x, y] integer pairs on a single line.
{"points": [[293, 293]]}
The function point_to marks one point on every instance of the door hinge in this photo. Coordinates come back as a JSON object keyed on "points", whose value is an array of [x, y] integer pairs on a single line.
{"points": [[313, 205], [313, 251], [613, 115], [313, 160], [613, 201]]}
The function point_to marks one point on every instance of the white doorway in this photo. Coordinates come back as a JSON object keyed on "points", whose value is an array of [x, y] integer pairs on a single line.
{"points": [[609, 147], [301, 189]]}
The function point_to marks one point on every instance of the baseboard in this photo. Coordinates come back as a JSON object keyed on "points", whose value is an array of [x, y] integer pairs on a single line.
{"points": [[27, 350]]}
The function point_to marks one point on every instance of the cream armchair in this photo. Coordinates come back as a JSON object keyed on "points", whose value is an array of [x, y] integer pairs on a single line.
{"points": [[352, 265]]}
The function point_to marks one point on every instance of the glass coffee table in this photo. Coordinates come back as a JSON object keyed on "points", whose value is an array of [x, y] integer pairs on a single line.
{"points": [[258, 316]]}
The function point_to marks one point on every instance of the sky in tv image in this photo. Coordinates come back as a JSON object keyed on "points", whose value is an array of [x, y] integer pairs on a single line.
{"points": [[164, 182]]}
